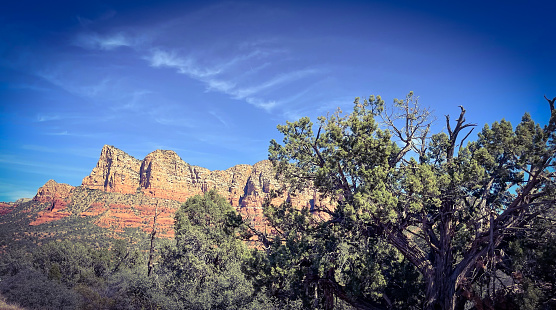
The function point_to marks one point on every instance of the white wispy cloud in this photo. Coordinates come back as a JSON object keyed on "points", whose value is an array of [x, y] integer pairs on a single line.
{"points": [[184, 65], [132, 100], [107, 42], [71, 134], [90, 152], [48, 117], [280, 79], [241, 59], [166, 59], [93, 90], [62, 77], [240, 72], [114, 92], [220, 85], [215, 77], [176, 122], [14, 193], [85, 22], [263, 104], [236, 72], [39, 167], [251, 93], [60, 133], [59, 116], [220, 118]]}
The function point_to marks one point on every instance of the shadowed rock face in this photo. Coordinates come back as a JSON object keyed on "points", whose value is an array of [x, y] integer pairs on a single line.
{"points": [[163, 176]]}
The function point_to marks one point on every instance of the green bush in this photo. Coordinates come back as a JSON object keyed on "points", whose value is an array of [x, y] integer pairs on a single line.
{"points": [[33, 290]]}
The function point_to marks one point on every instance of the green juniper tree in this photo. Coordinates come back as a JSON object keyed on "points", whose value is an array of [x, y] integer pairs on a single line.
{"points": [[204, 269], [424, 214]]}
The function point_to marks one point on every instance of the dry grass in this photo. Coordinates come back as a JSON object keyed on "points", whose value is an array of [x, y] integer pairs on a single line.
{"points": [[6, 306]]}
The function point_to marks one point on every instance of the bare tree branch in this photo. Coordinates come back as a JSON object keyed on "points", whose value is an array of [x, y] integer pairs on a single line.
{"points": [[551, 102]]}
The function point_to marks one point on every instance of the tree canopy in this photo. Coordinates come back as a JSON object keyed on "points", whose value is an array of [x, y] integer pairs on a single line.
{"points": [[441, 212]]}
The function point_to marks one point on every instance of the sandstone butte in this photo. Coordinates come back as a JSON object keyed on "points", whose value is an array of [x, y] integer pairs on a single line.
{"points": [[158, 184]]}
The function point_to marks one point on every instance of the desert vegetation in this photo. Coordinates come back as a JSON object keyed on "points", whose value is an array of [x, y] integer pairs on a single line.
{"points": [[416, 220]]}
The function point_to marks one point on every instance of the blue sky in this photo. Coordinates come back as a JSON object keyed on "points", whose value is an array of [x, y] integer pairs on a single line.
{"points": [[212, 79]]}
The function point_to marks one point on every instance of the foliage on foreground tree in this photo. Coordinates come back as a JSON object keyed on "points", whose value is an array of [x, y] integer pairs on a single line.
{"points": [[207, 267], [203, 270], [422, 215]]}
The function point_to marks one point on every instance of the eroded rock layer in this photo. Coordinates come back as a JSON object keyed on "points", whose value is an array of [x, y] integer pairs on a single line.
{"points": [[163, 177], [163, 174], [116, 171]]}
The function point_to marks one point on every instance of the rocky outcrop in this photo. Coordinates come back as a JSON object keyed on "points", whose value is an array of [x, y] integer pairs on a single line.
{"points": [[163, 174], [161, 181], [55, 196], [116, 171], [52, 191], [117, 217], [6, 208]]}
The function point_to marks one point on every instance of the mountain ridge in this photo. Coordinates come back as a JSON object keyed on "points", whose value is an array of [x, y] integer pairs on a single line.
{"points": [[124, 192]]}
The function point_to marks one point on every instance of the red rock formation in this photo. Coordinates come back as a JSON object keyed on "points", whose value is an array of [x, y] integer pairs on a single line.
{"points": [[55, 196], [53, 190], [164, 175], [120, 216], [231, 182], [95, 208], [49, 216], [6, 208], [116, 171]]}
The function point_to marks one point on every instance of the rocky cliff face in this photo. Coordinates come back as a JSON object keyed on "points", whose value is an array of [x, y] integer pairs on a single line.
{"points": [[116, 171], [161, 180], [163, 174]]}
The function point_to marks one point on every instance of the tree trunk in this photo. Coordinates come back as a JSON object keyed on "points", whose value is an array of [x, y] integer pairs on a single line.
{"points": [[151, 250], [441, 293], [441, 280]]}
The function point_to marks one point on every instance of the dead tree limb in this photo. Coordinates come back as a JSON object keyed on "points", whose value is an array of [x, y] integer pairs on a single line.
{"points": [[151, 251]]}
